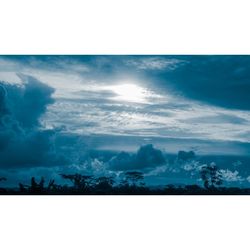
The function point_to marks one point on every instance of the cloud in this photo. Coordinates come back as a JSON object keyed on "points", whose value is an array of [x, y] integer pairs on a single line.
{"points": [[217, 80], [146, 157], [123, 161], [153, 63], [23, 105], [82, 105], [28, 102], [158, 171], [230, 176], [184, 156], [23, 141], [217, 119]]}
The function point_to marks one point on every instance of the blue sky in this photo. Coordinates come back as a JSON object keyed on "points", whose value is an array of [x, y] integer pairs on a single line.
{"points": [[120, 103]]}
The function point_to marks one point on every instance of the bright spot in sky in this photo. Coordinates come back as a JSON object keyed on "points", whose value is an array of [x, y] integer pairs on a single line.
{"points": [[129, 92]]}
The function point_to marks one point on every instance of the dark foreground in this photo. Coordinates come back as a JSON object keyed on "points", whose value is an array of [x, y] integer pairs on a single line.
{"points": [[187, 190], [132, 184]]}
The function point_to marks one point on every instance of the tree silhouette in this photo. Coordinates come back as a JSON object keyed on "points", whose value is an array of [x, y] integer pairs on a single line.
{"points": [[134, 178], [2, 190], [211, 176], [105, 182], [51, 185], [23, 188], [80, 182], [37, 187]]}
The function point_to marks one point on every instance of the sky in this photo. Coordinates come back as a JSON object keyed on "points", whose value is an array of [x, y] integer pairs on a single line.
{"points": [[55, 111]]}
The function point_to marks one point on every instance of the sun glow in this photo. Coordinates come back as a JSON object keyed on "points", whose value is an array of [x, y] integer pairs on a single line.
{"points": [[129, 92]]}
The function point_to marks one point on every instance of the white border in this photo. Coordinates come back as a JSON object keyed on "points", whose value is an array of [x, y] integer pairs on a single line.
{"points": [[124, 27], [123, 222]]}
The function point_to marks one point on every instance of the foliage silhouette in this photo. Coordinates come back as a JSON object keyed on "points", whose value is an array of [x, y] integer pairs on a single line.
{"points": [[132, 184], [211, 176], [2, 190], [80, 182], [134, 178]]}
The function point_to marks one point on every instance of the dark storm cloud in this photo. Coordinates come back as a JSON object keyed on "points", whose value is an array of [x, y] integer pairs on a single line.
{"points": [[22, 141], [23, 105], [146, 157], [29, 103], [217, 80]]}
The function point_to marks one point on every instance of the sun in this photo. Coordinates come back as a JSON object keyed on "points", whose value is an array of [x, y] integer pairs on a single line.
{"points": [[129, 92]]}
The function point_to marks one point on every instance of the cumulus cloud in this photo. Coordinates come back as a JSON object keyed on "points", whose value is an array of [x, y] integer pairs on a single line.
{"points": [[230, 176], [28, 102], [23, 141], [146, 157], [123, 161], [183, 155]]}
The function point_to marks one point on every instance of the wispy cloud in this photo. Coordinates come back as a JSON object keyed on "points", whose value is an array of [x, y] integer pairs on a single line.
{"points": [[154, 63]]}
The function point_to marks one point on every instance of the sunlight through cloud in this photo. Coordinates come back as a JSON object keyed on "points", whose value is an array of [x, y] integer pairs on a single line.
{"points": [[129, 92]]}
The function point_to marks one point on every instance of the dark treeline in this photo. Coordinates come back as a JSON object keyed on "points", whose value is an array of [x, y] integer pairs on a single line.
{"points": [[131, 184]]}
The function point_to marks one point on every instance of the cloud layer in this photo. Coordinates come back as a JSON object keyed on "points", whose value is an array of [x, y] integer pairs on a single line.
{"points": [[217, 80]]}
